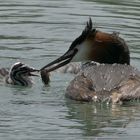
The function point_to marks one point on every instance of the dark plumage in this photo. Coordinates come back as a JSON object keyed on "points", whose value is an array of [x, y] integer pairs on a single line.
{"points": [[110, 81], [19, 74], [94, 45]]}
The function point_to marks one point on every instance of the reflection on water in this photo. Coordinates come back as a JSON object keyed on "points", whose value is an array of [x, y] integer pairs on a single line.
{"points": [[37, 32], [103, 120]]}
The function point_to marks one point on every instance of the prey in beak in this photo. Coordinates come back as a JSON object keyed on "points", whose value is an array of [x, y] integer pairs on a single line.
{"points": [[61, 61]]}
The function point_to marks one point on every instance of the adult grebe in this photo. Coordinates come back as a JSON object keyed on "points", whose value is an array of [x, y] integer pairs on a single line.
{"points": [[94, 45], [97, 82], [19, 74]]}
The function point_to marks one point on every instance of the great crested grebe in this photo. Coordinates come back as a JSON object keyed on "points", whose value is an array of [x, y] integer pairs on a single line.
{"points": [[97, 82], [19, 74]]}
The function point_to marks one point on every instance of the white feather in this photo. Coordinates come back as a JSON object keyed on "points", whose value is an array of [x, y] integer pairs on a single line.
{"points": [[82, 54]]}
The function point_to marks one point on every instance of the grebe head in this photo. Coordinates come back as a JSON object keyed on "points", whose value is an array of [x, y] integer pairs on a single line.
{"points": [[93, 45], [20, 74]]}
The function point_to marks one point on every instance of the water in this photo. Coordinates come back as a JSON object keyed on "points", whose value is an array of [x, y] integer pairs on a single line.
{"points": [[37, 32]]}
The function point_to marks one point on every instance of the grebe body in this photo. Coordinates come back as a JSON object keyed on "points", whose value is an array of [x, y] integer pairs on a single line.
{"points": [[112, 77], [105, 83]]}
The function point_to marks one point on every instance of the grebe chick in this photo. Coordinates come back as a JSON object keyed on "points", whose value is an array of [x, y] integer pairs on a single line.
{"points": [[19, 74]]}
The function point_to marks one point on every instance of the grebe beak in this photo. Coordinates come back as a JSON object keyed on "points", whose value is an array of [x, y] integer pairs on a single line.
{"points": [[61, 61], [73, 50]]}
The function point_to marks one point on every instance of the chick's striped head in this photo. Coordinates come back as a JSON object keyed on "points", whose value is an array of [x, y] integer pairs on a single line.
{"points": [[20, 74]]}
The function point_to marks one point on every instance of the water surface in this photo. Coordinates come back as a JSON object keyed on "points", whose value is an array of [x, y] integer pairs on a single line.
{"points": [[37, 32]]}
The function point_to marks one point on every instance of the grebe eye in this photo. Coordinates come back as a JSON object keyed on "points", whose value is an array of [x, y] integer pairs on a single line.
{"points": [[75, 50]]}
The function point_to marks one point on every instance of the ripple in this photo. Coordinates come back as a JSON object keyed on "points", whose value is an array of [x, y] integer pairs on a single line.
{"points": [[39, 31]]}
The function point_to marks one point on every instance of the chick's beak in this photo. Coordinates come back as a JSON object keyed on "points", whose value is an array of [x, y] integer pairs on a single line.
{"points": [[31, 72], [61, 61]]}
